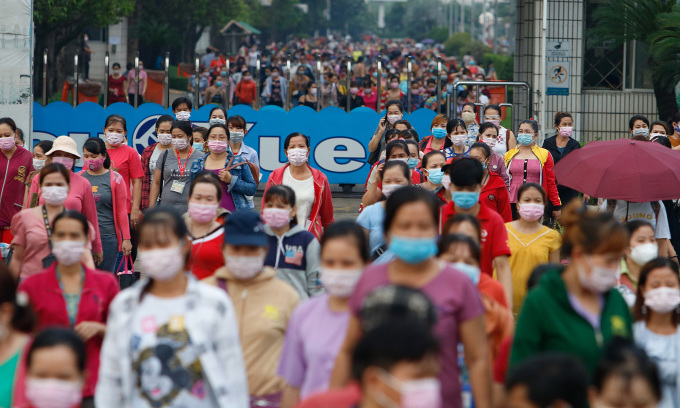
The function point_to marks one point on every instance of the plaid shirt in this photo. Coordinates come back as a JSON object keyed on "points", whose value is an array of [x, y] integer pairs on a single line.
{"points": [[146, 180]]}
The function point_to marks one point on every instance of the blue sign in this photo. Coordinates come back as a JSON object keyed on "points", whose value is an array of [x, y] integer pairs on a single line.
{"points": [[339, 140]]}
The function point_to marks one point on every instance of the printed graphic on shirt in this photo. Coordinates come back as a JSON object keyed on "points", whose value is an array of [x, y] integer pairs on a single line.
{"points": [[270, 312], [170, 373], [95, 192], [21, 174], [294, 255], [619, 326]]}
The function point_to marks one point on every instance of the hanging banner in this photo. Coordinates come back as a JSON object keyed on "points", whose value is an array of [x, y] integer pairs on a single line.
{"points": [[339, 140]]}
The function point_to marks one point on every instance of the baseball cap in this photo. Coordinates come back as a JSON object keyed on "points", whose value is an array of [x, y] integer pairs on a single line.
{"points": [[245, 227]]}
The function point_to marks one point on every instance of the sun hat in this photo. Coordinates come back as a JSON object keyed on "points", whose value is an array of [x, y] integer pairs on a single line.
{"points": [[64, 144]]}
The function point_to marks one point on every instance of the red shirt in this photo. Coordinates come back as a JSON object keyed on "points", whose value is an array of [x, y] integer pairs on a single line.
{"points": [[47, 300], [125, 160], [13, 172], [206, 254], [346, 397], [492, 288], [495, 195], [494, 234]]}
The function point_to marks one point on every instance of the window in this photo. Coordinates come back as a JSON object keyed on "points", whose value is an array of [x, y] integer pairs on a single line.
{"points": [[622, 68]]}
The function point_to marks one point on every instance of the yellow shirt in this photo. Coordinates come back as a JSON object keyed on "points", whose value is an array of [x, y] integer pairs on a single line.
{"points": [[528, 251]]}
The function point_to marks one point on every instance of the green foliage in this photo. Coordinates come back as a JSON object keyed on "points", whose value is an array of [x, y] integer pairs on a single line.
{"points": [[159, 34], [98, 13], [665, 48], [453, 45], [276, 21], [439, 34], [476, 48], [504, 64]]}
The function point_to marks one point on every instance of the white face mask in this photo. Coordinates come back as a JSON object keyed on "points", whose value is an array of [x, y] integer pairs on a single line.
{"points": [[68, 252], [180, 144], [53, 393], [55, 195], [244, 267], [340, 283], [217, 121], [388, 189], [114, 139], [662, 300], [393, 118], [183, 115], [642, 254], [38, 164], [297, 157], [164, 139], [162, 264], [600, 280]]}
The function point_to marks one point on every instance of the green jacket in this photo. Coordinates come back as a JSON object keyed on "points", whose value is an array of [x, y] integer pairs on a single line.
{"points": [[548, 322]]}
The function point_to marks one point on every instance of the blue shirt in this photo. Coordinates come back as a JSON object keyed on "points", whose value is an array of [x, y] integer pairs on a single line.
{"points": [[371, 218]]}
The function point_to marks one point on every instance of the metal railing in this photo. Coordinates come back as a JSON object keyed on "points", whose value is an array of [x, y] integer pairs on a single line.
{"points": [[505, 85]]}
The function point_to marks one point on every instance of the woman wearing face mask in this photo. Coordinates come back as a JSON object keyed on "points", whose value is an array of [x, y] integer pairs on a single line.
{"points": [[312, 191], [80, 197], [218, 116], [397, 150], [275, 88], [204, 221], [170, 319], [16, 322], [245, 90], [117, 86], [394, 112], [309, 99], [639, 126], [394, 175], [576, 309], [151, 154], [642, 249], [293, 251], [125, 161], [456, 131], [529, 163], [369, 96], [506, 139], [393, 93], [626, 377], [262, 302], [411, 229], [56, 370], [432, 164], [172, 177], [237, 131], [659, 129], [656, 324], [69, 294], [531, 243], [215, 93], [469, 116], [318, 326], [356, 100], [559, 146], [15, 164], [233, 171], [674, 135], [39, 160], [438, 140], [109, 191], [199, 138], [488, 134], [414, 158], [494, 191]]}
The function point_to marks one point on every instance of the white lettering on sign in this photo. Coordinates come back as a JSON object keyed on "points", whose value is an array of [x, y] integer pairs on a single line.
{"points": [[269, 153], [350, 151]]}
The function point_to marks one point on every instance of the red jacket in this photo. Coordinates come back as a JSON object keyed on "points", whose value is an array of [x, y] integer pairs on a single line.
{"points": [[146, 180], [120, 216], [245, 91], [47, 301], [495, 196], [322, 210]]}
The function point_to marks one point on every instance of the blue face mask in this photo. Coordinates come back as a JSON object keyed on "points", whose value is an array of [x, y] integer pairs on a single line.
{"points": [[198, 146], [465, 199], [412, 163], [439, 133], [525, 139], [471, 271], [435, 176], [413, 250], [677, 128]]}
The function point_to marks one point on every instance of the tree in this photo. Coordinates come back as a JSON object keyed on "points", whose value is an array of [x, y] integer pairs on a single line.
{"points": [[280, 19], [58, 22], [651, 22]]}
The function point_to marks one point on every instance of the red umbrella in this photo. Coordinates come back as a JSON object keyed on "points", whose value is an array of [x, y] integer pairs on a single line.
{"points": [[622, 169]]}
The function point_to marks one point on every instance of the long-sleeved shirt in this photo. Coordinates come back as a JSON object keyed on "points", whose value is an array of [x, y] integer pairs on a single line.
{"points": [[13, 172]]}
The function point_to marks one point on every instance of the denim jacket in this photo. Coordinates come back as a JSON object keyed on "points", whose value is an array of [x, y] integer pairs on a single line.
{"points": [[242, 181]]}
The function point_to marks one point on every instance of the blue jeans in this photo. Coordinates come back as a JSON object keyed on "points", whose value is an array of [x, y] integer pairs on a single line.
{"points": [[111, 253]]}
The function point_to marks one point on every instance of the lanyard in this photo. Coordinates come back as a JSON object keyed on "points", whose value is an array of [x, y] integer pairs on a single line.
{"points": [[47, 227], [71, 317], [179, 161]]}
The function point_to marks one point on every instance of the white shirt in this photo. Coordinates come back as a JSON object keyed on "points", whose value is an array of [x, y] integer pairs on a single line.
{"points": [[501, 148], [154, 158], [644, 212], [304, 196]]}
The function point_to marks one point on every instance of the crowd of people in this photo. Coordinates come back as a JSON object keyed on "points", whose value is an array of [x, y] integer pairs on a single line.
{"points": [[319, 76], [471, 277]]}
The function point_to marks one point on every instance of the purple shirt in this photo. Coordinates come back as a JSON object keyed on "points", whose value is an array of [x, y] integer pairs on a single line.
{"points": [[313, 339], [227, 199], [592, 318], [456, 300]]}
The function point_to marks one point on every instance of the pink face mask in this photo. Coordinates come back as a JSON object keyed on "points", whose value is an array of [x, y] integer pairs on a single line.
{"points": [[94, 164], [51, 393], [276, 217], [394, 85], [202, 213], [7, 143], [217, 146], [68, 163], [531, 211], [566, 131]]}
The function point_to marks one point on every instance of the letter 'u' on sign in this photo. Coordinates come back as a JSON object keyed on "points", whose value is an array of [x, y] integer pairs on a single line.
{"points": [[349, 151]]}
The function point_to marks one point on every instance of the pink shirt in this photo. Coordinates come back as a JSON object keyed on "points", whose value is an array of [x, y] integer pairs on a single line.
{"points": [[13, 173], [521, 172], [131, 81], [79, 199]]}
